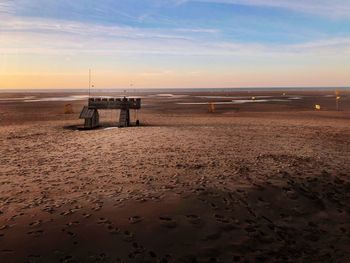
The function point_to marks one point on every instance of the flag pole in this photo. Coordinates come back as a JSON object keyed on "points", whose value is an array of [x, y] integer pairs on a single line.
{"points": [[89, 82]]}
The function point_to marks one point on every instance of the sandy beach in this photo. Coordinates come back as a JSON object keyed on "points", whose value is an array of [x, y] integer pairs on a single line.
{"points": [[262, 181]]}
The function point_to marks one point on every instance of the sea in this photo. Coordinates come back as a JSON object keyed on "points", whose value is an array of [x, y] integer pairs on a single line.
{"points": [[169, 90]]}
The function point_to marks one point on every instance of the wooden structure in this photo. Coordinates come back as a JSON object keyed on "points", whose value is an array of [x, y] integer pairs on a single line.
{"points": [[91, 116]]}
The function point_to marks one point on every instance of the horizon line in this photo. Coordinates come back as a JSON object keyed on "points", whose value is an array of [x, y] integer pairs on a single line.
{"points": [[173, 89]]}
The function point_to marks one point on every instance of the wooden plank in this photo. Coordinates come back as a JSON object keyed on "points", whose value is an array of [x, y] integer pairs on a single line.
{"points": [[105, 103]]}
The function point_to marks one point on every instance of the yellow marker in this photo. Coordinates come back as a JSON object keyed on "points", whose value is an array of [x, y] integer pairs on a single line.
{"points": [[337, 102], [317, 107]]}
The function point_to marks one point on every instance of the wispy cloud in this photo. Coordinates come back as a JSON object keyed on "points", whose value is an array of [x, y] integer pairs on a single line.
{"points": [[74, 28], [6, 7], [326, 43], [103, 10], [47, 35], [56, 36], [329, 8], [170, 39]]}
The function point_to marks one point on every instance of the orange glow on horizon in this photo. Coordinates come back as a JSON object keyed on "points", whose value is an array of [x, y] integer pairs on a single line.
{"points": [[168, 80]]}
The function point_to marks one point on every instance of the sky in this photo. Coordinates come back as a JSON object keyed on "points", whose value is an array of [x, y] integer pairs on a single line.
{"points": [[174, 43]]}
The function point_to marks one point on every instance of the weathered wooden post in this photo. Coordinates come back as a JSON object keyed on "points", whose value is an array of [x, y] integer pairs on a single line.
{"points": [[124, 117], [90, 116]]}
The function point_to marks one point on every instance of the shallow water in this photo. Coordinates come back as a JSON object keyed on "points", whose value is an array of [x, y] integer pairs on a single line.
{"points": [[168, 95], [17, 98], [68, 98], [234, 102], [233, 97]]}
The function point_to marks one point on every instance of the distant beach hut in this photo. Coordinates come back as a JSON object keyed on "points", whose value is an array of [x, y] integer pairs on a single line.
{"points": [[68, 109], [317, 107], [211, 107]]}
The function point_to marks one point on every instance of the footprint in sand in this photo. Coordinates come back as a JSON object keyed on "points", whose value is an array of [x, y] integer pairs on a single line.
{"points": [[214, 206], [102, 257], [128, 236], [221, 219], [73, 223], [212, 236], [225, 224], [33, 257], [66, 213], [135, 219], [36, 233], [167, 222], [36, 223], [250, 229], [103, 221], [7, 251], [113, 229], [137, 251], [4, 227], [97, 208], [193, 219], [67, 259], [86, 215], [290, 193]]}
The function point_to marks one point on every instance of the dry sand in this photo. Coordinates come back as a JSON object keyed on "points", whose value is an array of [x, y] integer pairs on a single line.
{"points": [[249, 183]]}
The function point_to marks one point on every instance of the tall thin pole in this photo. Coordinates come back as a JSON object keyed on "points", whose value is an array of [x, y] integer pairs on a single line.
{"points": [[337, 99], [337, 103], [89, 82]]}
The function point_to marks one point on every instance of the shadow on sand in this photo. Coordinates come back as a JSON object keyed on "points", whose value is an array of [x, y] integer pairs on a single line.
{"points": [[103, 126], [290, 220]]}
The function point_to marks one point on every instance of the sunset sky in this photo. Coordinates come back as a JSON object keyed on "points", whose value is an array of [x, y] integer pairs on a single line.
{"points": [[174, 43]]}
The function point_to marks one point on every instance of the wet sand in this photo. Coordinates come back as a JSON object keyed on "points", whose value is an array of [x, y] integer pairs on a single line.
{"points": [[253, 182]]}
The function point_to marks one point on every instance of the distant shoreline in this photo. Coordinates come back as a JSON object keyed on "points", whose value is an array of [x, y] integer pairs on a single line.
{"points": [[173, 90]]}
